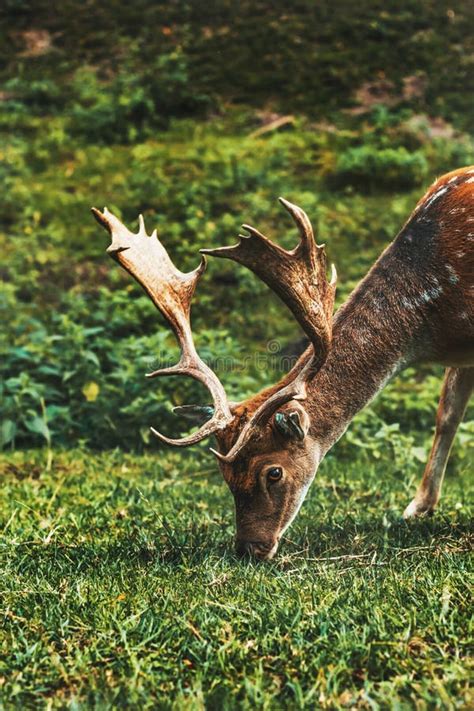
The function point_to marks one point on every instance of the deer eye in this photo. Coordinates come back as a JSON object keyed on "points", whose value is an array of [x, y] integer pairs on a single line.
{"points": [[274, 474]]}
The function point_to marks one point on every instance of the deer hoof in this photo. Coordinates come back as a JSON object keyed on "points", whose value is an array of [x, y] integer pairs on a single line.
{"points": [[418, 509]]}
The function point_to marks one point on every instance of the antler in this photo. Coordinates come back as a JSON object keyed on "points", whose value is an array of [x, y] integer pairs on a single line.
{"points": [[145, 258], [299, 278]]}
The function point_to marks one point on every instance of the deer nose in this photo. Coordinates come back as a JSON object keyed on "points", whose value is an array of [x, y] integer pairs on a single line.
{"points": [[256, 549]]}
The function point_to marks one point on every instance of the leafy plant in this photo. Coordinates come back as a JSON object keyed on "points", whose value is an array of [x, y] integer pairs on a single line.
{"points": [[371, 167], [135, 101]]}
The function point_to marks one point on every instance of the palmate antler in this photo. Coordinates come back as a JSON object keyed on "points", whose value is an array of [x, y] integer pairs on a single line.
{"points": [[299, 278], [145, 258]]}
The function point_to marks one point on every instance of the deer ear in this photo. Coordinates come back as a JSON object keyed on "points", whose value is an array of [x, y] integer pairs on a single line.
{"points": [[196, 413], [290, 424]]}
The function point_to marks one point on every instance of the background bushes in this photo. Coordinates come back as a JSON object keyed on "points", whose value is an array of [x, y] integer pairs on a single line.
{"points": [[170, 110]]}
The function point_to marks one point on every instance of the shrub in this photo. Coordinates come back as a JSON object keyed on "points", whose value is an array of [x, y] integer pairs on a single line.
{"points": [[80, 336], [77, 374], [135, 101], [370, 167]]}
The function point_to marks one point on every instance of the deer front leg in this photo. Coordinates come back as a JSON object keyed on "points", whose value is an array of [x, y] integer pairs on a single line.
{"points": [[457, 387]]}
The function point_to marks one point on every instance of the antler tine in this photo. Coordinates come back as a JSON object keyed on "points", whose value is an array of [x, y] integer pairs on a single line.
{"points": [[302, 221], [171, 290], [297, 276], [249, 250], [315, 253]]}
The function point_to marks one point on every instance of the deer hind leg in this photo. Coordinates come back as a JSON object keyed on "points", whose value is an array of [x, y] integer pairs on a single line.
{"points": [[457, 387]]}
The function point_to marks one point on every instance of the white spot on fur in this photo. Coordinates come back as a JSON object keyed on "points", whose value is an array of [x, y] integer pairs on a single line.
{"points": [[431, 294], [471, 180], [453, 277], [407, 303], [435, 196]]}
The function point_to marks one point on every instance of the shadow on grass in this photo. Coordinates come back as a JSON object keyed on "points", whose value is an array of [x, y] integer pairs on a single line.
{"points": [[344, 537], [166, 547]]}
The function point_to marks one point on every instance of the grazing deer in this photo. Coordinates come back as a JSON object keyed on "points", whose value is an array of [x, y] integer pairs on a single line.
{"points": [[416, 304]]}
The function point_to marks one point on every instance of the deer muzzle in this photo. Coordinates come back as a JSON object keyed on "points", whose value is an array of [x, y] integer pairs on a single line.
{"points": [[260, 550]]}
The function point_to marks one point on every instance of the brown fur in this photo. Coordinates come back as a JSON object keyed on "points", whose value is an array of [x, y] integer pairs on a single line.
{"points": [[415, 304]]}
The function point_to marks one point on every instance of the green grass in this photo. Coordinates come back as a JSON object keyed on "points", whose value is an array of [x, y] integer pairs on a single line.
{"points": [[120, 587]]}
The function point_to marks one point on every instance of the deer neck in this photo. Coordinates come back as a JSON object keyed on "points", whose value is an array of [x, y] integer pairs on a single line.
{"points": [[373, 339]]}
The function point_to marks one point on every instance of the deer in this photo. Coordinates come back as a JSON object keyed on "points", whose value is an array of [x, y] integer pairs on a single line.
{"points": [[415, 305]]}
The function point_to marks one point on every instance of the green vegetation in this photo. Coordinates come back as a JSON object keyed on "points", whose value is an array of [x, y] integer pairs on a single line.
{"points": [[81, 335], [119, 584], [181, 55]]}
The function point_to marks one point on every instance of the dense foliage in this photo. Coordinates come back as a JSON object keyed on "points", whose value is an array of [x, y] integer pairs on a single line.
{"points": [[156, 59], [80, 335], [93, 95]]}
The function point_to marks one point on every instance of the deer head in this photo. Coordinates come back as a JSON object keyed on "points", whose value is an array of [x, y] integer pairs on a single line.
{"points": [[265, 447]]}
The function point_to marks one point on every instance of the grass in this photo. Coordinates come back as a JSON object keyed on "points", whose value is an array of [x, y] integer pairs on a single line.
{"points": [[243, 52], [120, 587]]}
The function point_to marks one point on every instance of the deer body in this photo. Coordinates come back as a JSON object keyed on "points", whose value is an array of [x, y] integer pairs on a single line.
{"points": [[416, 304]]}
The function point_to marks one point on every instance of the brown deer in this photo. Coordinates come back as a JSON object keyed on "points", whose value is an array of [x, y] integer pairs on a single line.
{"points": [[416, 304]]}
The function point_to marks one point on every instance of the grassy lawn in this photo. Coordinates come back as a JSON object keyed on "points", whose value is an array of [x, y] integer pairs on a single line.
{"points": [[120, 587]]}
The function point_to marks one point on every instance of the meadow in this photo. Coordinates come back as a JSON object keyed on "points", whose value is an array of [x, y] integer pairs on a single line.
{"points": [[120, 588], [119, 584]]}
